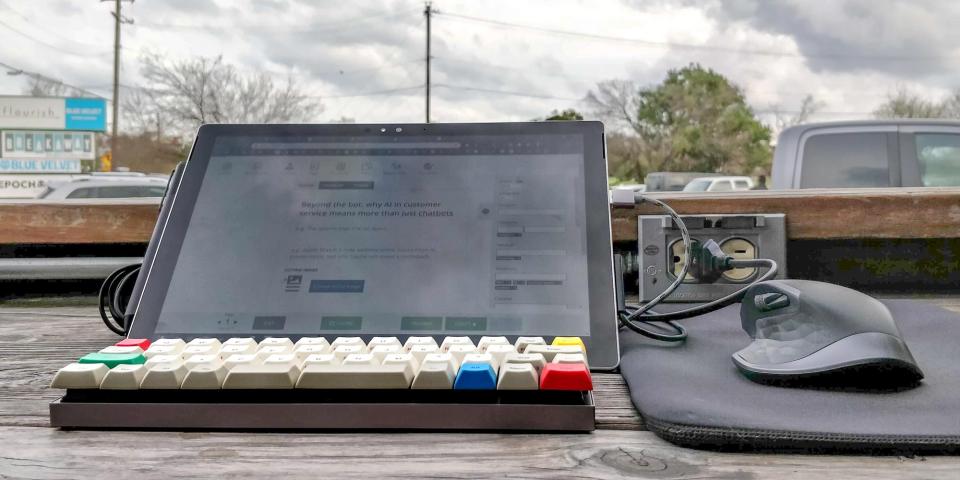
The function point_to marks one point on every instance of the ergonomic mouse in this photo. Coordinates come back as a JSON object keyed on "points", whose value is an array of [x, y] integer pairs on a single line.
{"points": [[805, 331]]}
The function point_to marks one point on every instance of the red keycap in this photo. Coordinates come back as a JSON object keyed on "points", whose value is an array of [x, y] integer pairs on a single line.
{"points": [[143, 343], [565, 376]]}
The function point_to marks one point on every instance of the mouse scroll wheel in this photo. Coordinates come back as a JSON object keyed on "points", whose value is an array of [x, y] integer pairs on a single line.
{"points": [[771, 301]]}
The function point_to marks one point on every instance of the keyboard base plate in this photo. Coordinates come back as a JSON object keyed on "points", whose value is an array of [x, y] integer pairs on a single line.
{"points": [[327, 410]]}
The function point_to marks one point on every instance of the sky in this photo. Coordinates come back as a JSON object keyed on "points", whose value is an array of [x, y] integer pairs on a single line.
{"points": [[501, 60]]}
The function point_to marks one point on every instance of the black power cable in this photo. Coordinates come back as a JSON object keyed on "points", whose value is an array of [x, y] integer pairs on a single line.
{"points": [[642, 320], [114, 296]]}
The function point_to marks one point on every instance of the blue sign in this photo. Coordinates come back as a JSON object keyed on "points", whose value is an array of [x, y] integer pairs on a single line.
{"points": [[86, 114]]}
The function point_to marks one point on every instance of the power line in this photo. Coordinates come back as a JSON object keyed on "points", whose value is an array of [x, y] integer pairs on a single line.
{"points": [[19, 71], [687, 46], [370, 94], [506, 92], [49, 31], [286, 28], [41, 42]]}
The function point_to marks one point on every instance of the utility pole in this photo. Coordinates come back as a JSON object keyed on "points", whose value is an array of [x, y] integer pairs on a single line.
{"points": [[118, 19], [427, 12]]}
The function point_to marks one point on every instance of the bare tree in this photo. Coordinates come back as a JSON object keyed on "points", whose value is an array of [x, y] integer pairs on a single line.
{"points": [[40, 86], [180, 95], [615, 101], [808, 107], [904, 104]]}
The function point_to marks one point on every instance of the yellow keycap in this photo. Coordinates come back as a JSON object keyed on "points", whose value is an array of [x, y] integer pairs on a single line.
{"points": [[575, 341]]}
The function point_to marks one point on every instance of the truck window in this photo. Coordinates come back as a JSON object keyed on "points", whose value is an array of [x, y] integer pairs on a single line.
{"points": [[86, 192], [741, 185], [939, 158], [845, 160]]}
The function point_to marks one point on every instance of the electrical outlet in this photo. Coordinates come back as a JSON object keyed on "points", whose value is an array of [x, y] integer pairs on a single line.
{"points": [[744, 236]]}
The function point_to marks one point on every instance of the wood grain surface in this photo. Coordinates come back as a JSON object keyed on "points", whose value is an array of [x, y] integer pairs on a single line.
{"points": [[35, 342], [821, 213], [811, 213]]}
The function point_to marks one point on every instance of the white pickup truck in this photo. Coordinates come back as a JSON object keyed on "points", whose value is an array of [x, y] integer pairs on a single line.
{"points": [[869, 153]]}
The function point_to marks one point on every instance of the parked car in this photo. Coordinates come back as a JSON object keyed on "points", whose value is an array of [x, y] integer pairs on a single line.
{"points": [[672, 181], [719, 184], [98, 187], [869, 153], [624, 193]]}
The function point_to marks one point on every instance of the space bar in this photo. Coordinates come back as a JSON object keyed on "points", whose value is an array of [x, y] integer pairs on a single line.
{"points": [[355, 376]]}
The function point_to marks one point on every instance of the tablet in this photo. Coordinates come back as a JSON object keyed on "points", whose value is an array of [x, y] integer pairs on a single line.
{"points": [[397, 230]]}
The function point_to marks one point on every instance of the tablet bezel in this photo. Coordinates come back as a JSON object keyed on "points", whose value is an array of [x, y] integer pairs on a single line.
{"points": [[602, 344]]}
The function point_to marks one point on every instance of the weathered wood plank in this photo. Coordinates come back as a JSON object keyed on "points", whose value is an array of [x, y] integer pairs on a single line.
{"points": [[47, 453], [821, 213], [813, 213], [94, 221], [35, 342]]}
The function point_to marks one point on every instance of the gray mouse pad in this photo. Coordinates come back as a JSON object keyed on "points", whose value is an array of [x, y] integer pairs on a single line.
{"points": [[691, 394]]}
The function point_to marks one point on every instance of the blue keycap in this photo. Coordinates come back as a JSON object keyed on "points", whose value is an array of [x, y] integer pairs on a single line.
{"points": [[476, 376]]}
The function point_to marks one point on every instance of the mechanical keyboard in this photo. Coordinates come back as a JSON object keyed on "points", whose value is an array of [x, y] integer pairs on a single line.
{"points": [[346, 383]]}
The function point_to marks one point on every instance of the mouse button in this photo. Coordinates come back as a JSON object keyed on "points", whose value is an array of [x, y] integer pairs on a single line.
{"points": [[766, 302], [769, 352]]}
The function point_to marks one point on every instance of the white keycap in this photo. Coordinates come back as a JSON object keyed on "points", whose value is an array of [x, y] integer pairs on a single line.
{"points": [[381, 351], [276, 342], [481, 358], [262, 376], [399, 358], [486, 342], [235, 349], [549, 351], [518, 376], [418, 341], [315, 341], [440, 358], [341, 351], [243, 342], [535, 359], [169, 342], [80, 375], [451, 341], [124, 350], [522, 342], [162, 360], [570, 358], [167, 376], [124, 377], [202, 360], [420, 351], [204, 372], [434, 376], [241, 359], [460, 351], [321, 359], [360, 359], [282, 359], [383, 341], [304, 351], [498, 351], [205, 377], [192, 350], [204, 342], [265, 352], [392, 376], [347, 341], [163, 350]]}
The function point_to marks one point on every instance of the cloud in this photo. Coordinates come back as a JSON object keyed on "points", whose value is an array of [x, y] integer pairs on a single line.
{"points": [[849, 54]]}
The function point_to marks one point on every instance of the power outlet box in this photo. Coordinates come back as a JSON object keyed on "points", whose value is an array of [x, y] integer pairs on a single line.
{"points": [[660, 252]]}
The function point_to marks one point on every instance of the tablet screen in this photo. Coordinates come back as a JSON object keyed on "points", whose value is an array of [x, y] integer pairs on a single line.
{"points": [[411, 235]]}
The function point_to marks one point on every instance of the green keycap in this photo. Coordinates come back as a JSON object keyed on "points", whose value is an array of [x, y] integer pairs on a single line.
{"points": [[113, 359]]}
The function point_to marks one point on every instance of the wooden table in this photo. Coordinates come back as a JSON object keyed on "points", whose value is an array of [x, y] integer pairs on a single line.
{"points": [[35, 342]]}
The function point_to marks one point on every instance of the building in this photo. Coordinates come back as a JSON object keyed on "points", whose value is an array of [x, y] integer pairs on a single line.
{"points": [[46, 138]]}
